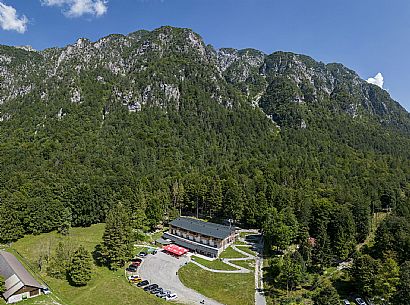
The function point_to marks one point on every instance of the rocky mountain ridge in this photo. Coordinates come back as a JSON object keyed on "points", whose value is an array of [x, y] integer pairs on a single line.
{"points": [[255, 75]]}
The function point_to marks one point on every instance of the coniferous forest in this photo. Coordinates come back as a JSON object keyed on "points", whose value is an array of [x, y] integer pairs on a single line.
{"points": [[165, 125]]}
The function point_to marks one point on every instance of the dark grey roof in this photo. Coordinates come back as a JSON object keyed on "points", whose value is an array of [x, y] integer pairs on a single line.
{"points": [[205, 228], [9, 267]]}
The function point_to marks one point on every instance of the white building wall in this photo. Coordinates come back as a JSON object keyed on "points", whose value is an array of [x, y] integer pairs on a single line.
{"points": [[18, 297]]}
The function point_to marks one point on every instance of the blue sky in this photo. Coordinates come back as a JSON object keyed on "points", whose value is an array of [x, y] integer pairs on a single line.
{"points": [[366, 36]]}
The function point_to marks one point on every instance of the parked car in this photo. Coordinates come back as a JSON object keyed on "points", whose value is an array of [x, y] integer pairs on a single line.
{"points": [[142, 254], [132, 268], [346, 302], [45, 290], [154, 252], [136, 260], [157, 290], [136, 264], [135, 280], [143, 283], [151, 287], [171, 297], [359, 301], [163, 294], [130, 277]]}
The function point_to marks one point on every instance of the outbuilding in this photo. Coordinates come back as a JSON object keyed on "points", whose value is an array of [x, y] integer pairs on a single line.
{"points": [[20, 284]]}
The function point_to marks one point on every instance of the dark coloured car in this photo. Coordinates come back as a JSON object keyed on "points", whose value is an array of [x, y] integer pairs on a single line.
{"points": [[143, 283], [136, 264], [163, 294], [151, 287], [132, 268], [136, 260], [157, 290]]}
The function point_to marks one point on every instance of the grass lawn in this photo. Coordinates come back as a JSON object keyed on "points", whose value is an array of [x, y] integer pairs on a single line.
{"points": [[215, 264], [139, 249], [244, 234], [231, 253], [238, 242], [105, 288], [229, 289], [248, 264], [156, 235], [247, 250]]}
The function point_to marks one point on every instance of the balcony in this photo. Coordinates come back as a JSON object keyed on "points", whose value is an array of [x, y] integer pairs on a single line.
{"points": [[194, 243]]}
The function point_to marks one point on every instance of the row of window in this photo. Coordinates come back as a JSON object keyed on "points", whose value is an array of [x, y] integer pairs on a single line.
{"points": [[196, 239]]}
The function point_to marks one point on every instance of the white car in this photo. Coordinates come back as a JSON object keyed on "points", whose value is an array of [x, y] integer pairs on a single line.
{"points": [[46, 290], [346, 302], [360, 301], [171, 297]]}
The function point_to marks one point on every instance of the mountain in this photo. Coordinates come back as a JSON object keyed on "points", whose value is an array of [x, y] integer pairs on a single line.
{"points": [[164, 123]]}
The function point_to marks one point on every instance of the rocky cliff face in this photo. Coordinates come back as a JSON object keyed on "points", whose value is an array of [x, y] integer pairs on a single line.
{"points": [[145, 69]]}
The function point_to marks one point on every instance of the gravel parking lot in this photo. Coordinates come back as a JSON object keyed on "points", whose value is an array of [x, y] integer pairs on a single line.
{"points": [[162, 269]]}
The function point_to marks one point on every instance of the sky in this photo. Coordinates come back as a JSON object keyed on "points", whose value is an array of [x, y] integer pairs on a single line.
{"points": [[368, 36]]}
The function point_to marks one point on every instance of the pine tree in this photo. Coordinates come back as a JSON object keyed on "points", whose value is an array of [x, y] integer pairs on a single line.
{"points": [[215, 196], [342, 232], [321, 254], [387, 279], [292, 271], [327, 295], [10, 226], [116, 247], [363, 272], [65, 225], [403, 291], [80, 269]]}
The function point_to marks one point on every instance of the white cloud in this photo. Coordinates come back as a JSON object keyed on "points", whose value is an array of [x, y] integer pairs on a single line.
{"points": [[78, 8], [378, 80], [10, 21]]}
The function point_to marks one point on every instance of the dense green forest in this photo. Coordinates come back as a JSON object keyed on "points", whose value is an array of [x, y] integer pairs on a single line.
{"points": [[318, 155]]}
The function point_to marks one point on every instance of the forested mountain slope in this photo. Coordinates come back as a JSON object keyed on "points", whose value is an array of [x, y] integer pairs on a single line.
{"points": [[164, 123]]}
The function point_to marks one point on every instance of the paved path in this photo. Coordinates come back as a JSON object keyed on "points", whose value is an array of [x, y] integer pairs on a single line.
{"points": [[238, 268], [258, 244], [162, 269], [229, 261], [259, 295]]}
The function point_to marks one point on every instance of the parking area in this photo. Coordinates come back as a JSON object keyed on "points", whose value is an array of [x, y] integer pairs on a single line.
{"points": [[162, 269]]}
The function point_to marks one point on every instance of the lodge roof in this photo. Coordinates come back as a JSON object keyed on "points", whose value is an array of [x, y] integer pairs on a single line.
{"points": [[15, 275], [202, 227]]}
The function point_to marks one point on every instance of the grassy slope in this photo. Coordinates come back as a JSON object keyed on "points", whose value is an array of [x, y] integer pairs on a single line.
{"points": [[105, 288], [229, 289], [231, 253], [248, 264], [215, 264], [247, 250]]}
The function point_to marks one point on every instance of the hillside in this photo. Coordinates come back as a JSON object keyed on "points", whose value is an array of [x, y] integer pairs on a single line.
{"points": [[163, 122]]}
